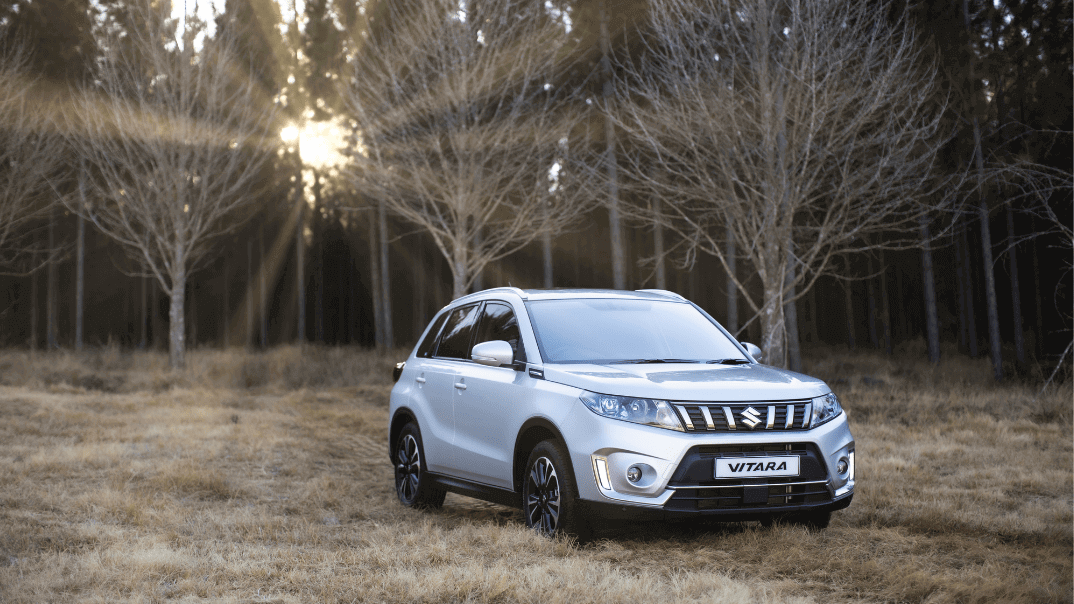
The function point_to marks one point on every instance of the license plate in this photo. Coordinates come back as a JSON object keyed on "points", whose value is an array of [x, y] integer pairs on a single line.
{"points": [[756, 467]]}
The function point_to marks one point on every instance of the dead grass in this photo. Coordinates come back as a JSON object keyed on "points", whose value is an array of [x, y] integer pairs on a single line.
{"points": [[281, 492]]}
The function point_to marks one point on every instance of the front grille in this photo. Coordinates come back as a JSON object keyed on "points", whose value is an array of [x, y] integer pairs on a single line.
{"points": [[756, 416], [697, 489]]}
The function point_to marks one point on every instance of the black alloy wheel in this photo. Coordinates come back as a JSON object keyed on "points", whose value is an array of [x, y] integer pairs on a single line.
{"points": [[543, 504], [411, 484], [407, 469], [549, 495]]}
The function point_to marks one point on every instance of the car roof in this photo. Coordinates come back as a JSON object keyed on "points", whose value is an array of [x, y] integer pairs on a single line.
{"points": [[570, 293]]}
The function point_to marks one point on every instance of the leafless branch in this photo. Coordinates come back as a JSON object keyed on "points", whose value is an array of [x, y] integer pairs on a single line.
{"points": [[459, 119]]}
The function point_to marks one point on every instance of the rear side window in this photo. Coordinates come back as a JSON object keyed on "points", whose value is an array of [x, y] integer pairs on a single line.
{"points": [[428, 345], [455, 343], [498, 322]]}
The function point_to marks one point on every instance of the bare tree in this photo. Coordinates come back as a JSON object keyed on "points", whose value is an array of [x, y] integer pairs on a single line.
{"points": [[30, 153], [795, 128], [458, 115], [177, 137]]}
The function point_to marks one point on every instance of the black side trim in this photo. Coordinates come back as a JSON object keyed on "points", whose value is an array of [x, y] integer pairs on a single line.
{"points": [[476, 490]]}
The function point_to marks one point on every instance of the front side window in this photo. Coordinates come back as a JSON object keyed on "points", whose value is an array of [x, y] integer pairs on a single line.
{"points": [[498, 322], [455, 343], [601, 330]]}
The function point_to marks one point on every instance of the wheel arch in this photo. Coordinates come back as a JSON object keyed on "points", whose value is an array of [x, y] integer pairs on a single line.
{"points": [[535, 430], [402, 416]]}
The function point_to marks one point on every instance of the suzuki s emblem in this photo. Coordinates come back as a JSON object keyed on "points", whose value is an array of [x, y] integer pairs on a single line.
{"points": [[750, 417]]}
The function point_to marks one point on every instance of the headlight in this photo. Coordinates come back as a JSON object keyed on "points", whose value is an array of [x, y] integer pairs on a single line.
{"points": [[638, 410], [825, 408]]}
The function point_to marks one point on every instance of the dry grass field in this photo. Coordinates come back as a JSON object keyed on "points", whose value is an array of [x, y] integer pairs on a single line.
{"points": [[265, 478]]}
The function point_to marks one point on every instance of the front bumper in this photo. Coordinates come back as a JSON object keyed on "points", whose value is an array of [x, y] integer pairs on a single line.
{"points": [[677, 478], [608, 510]]}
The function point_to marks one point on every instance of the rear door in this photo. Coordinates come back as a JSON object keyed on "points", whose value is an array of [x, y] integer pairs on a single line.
{"points": [[431, 398], [440, 372]]}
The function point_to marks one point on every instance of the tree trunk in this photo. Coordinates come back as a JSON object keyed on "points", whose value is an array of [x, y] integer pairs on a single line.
{"points": [[658, 245], [578, 261], [870, 288], [385, 275], [546, 249], [848, 287], [352, 303], [1036, 299], [986, 235], [154, 317], [885, 305], [790, 312], [375, 286], [960, 283], [732, 288], [300, 263], [193, 341], [33, 305], [1016, 292], [177, 344], [250, 329], [479, 278], [971, 315], [611, 166], [143, 333], [51, 340], [227, 304], [900, 306], [262, 296], [932, 329], [80, 280], [773, 327], [318, 326], [420, 302], [990, 292]]}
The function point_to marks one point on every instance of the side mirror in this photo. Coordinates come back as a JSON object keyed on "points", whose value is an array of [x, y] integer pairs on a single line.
{"points": [[493, 354], [754, 351]]}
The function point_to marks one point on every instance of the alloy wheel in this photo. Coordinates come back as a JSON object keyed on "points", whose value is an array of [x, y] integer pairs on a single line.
{"points": [[407, 469], [543, 501]]}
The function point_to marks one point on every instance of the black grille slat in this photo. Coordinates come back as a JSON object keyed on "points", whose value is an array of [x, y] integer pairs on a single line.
{"points": [[719, 416]]}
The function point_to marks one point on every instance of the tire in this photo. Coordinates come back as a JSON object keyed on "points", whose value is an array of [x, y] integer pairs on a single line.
{"points": [[549, 493], [412, 485]]}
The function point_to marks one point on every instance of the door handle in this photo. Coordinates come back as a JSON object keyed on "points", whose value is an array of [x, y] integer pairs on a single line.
{"points": [[460, 385], [419, 380]]}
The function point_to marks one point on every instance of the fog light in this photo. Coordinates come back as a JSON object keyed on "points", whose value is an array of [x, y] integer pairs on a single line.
{"points": [[633, 474], [842, 466]]}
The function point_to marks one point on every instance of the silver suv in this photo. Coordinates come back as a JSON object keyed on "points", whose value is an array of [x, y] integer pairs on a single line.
{"points": [[585, 405]]}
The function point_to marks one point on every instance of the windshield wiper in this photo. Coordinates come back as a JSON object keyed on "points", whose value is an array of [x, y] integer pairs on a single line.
{"points": [[729, 362], [644, 361]]}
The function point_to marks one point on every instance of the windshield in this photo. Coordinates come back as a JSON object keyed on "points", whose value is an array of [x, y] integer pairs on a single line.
{"points": [[601, 330]]}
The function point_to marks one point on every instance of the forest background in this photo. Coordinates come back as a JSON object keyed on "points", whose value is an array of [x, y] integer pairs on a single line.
{"points": [[309, 235]]}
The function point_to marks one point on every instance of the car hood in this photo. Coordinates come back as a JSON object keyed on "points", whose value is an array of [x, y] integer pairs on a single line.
{"points": [[688, 381]]}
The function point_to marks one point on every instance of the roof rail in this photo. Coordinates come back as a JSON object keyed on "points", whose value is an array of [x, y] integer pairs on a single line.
{"points": [[514, 290], [662, 292]]}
